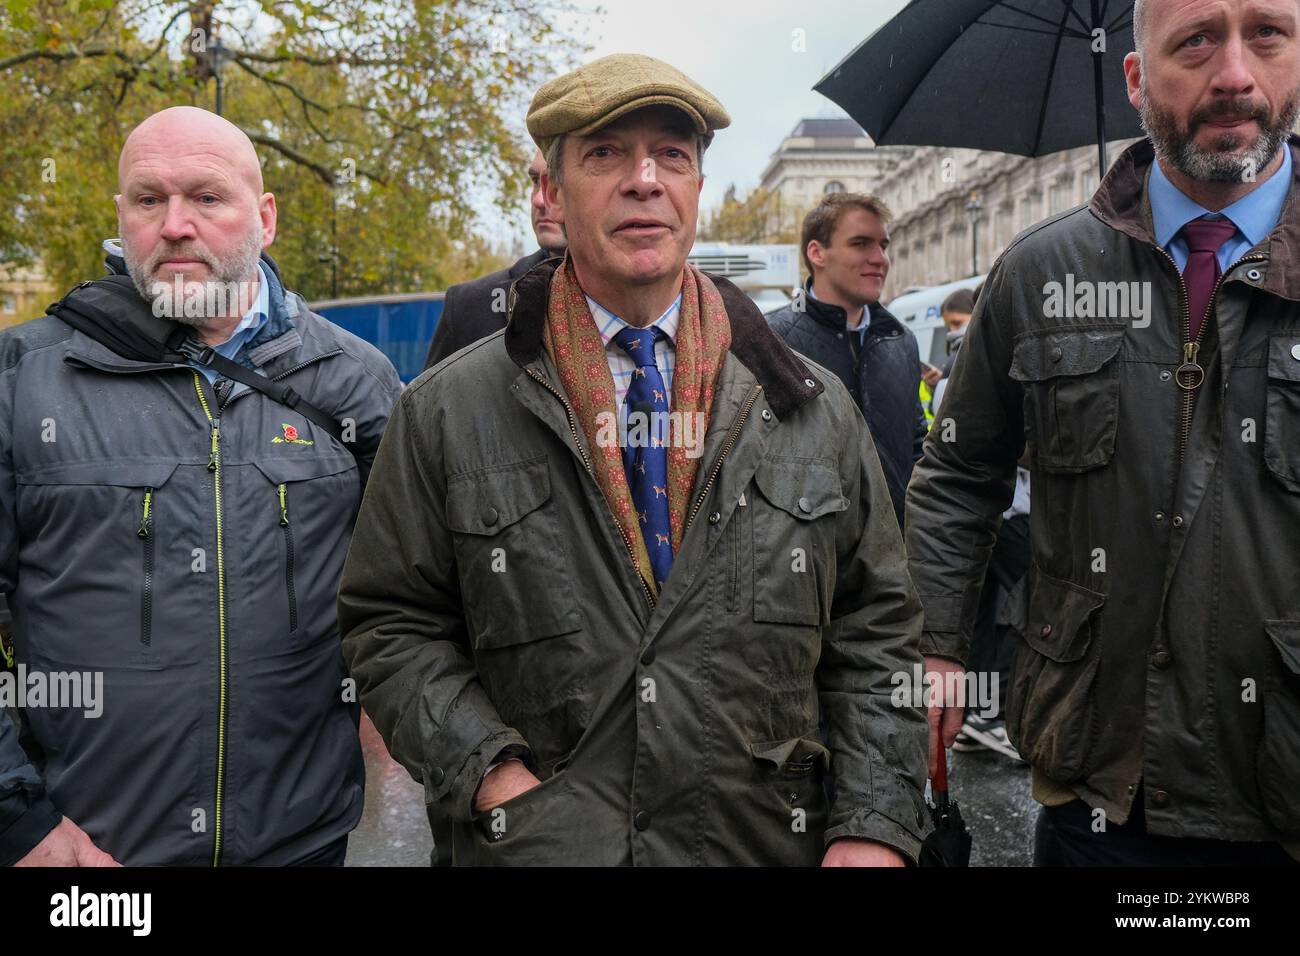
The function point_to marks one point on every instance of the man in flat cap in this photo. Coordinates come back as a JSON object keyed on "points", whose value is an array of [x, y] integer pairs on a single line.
{"points": [[615, 561]]}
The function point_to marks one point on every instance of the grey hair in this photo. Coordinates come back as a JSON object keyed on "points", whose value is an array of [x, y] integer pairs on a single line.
{"points": [[555, 157]]}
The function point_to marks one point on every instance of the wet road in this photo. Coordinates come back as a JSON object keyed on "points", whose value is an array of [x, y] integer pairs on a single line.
{"points": [[993, 794]]}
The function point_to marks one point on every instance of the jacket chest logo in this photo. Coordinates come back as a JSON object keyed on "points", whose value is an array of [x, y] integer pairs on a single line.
{"points": [[290, 436]]}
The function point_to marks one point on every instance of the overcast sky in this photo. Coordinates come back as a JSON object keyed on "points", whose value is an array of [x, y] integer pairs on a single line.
{"points": [[741, 52]]}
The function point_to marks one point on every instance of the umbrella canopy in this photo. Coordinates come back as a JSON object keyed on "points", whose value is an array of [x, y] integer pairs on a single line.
{"points": [[1028, 77]]}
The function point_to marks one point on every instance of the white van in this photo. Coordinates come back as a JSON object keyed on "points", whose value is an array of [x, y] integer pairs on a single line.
{"points": [[768, 274], [918, 310]]}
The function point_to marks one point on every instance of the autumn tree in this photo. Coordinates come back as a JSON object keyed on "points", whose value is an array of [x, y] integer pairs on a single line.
{"points": [[760, 218], [391, 133]]}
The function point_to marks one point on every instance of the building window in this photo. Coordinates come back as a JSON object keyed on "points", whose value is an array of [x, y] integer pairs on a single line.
{"points": [[834, 186], [8, 304], [1060, 196]]}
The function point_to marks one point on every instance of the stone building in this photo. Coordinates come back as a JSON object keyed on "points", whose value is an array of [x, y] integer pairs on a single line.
{"points": [[942, 198], [24, 294]]}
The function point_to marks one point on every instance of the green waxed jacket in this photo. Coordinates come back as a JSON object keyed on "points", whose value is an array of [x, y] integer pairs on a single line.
{"points": [[489, 601], [1162, 641]]}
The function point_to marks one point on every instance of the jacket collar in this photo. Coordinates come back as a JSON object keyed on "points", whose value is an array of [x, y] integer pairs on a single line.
{"points": [[1121, 202], [785, 380], [835, 318]]}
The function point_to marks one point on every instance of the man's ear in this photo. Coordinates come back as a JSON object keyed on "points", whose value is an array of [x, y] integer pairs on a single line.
{"points": [[816, 255], [269, 215], [554, 201], [1133, 77]]}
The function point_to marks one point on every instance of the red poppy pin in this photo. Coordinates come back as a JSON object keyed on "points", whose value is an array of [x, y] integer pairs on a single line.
{"points": [[290, 433]]}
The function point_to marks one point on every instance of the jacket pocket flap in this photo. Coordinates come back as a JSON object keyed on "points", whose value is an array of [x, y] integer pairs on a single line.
{"points": [[798, 755], [280, 470], [805, 489], [137, 473], [1040, 357], [1284, 357], [484, 502], [1058, 626], [1286, 635]]}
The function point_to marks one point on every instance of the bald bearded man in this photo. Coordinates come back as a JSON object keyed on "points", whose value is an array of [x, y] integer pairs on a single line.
{"points": [[171, 543]]}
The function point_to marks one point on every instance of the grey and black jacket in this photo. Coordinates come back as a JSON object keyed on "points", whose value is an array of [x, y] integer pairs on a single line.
{"points": [[186, 543], [883, 379]]}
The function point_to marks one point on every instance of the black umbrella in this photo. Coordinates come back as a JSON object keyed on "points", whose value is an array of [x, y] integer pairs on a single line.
{"points": [[1028, 77], [949, 843]]}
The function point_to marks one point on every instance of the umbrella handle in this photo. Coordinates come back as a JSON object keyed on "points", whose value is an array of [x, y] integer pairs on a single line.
{"points": [[939, 782]]}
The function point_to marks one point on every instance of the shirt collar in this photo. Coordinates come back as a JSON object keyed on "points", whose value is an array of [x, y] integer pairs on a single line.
{"points": [[257, 315], [1255, 214], [610, 324]]}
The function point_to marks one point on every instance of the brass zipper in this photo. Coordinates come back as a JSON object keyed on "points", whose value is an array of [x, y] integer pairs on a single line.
{"points": [[726, 449], [1190, 375], [573, 427]]}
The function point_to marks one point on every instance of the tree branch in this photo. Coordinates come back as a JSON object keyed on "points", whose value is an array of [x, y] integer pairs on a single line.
{"points": [[327, 175]]}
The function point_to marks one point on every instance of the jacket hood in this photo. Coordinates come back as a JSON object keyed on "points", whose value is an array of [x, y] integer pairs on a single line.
{"points": [[786, 381], [1121, 202]]}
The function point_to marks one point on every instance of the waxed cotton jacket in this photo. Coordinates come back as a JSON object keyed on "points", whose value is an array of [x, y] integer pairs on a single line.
{"points": [[186, 545], [489, 602], [1162, 644]]}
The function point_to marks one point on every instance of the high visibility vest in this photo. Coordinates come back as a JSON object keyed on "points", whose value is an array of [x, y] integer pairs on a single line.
{"points": [[927, 395]]}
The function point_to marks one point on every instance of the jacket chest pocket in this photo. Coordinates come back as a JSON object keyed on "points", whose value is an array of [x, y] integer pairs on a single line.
{"points": [[793, 517], [1071, 383], [514, 567], [90, 527], [1282, 416], [304, 513]]}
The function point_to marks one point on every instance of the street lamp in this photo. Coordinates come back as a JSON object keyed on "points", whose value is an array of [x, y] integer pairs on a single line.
{"points": [[973, 210], [218, 54]]}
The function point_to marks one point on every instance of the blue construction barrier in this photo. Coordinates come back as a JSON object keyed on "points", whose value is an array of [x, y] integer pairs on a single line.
{"points": [[401, 326]]}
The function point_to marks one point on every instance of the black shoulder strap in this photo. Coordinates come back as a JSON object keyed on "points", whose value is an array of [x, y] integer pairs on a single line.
{"points": [[276, 391], [111, 312]]}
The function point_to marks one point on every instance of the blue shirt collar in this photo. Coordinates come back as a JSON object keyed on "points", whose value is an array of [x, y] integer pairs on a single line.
{"points": [[610, 324], [1255, 214], [256, 317]]}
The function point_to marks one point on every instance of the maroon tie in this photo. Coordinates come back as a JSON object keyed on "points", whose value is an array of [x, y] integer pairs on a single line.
{"points": [[1204, 237]]}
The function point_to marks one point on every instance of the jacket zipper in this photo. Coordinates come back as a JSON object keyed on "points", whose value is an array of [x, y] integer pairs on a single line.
{"points": [[146, 594], [726, 449], [288, 560], [573, 427], [214, 466], [1190, 374]]}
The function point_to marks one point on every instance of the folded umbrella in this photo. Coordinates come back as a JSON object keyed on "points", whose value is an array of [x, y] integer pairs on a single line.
{"points": [[949, 844]]}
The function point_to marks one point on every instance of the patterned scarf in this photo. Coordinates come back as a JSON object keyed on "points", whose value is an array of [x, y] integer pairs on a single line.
{"points": [[575, 345]]}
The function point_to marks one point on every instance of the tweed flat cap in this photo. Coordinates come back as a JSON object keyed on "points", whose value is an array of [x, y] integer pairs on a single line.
{"points": [[592, 96]]}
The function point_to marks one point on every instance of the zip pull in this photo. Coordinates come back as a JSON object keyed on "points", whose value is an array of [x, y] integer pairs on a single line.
{"points": [[741, 502], [212, 455], [1189, 374], [284, 508], [144, 517]]}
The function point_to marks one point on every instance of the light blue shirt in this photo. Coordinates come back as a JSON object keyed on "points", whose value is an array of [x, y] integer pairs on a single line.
{"points": [[621, 366], [1255, 214], [248, 326]]}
